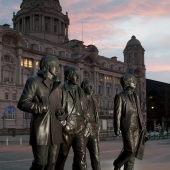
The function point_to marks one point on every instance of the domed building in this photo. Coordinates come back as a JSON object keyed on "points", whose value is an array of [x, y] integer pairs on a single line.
{"points": [[40, 28]]}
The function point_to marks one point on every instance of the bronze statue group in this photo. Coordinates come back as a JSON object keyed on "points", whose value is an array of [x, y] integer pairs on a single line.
{"points": [[65, 116]]}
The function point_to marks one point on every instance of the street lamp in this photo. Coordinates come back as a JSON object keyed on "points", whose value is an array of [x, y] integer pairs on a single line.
{"points": [[4, 117]]}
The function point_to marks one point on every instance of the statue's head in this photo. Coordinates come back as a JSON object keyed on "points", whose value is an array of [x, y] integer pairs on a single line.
{"points": [[88, 86], [50, 65], [72, 75], [128, 81]]}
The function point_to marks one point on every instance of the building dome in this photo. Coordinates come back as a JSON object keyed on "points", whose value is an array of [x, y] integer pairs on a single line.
{"points": [[133, 41]]}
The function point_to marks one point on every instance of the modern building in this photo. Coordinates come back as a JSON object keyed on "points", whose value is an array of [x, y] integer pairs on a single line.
{"points": [[158, 104], [40, 28]]}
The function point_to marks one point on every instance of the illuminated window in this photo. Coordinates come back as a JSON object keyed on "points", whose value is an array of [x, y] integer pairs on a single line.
{"points": [[25, 62], [37, 64], [108, 79], [117, 80], [10, 112]]}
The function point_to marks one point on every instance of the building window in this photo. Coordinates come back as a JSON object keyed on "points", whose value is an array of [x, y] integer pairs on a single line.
{"points": [[25, 62], [55, 51], [129, 58], [6, 41], [46, 26], [108, 79], [14, 96], [26, 44], [41, 48], [10, 112], [8, 59], [67, 54], [6, 75], [6, 95], [116, 91], [37, 64], [27, 115], [117, 80], [55, 28], [108, 91], [135, 58], [100, 89]]}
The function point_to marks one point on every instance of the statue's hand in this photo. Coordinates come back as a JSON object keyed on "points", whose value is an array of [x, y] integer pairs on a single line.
{"points": [[117, 132], [61, 115], [45, 108]]}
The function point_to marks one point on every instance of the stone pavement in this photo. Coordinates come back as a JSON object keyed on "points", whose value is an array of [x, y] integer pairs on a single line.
{"points": [[157, 155]]}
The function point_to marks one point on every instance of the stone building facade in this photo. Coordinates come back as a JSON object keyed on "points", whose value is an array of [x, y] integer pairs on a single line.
{"points": [[40, 28]]}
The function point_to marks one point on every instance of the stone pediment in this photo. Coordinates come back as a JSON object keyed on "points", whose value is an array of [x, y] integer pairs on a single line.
{"points": [[89, 59]]}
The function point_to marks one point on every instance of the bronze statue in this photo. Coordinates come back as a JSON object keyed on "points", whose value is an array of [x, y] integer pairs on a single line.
{"points": [[41, 96], [128, 120], [92, 130], [74, 125]]}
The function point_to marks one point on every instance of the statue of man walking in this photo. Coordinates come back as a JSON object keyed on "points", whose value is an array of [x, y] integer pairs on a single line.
{"points": [[39, 97]]}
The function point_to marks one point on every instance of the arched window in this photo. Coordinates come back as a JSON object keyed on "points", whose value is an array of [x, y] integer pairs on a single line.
{"points": [[135, 58], [67, 54], [7, 59], [41, 48], [10, 112], [129, 58], [55, 51], [26, 44]]}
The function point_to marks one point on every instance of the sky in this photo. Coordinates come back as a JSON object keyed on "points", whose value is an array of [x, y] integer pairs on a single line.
{"points": [[110, 24]]}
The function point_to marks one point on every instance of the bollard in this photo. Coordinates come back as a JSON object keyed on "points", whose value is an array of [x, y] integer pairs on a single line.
{"points": [[6, 141], [20, 140]]}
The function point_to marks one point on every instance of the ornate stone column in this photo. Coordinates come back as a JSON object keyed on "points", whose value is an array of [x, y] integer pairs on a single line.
{"points": [[94, 80], [62, 74], [19, 69], [40, 23], [30, 22], [43, 25], [51, 24], [34, 66], [59, 27], [97, 83], [81, 76], [0, 62], [104, 87], [33, 20], [67, 30], [113, 87], [22, 24]]}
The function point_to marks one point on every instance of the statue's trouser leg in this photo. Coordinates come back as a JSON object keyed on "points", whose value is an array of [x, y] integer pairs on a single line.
{"points": [[93, 148], [41, 154], [52, 156], [64, 150], [130, 141], [79, 149]]}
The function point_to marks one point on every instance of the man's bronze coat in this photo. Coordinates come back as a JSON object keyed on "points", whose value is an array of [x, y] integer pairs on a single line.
{"points": [[46, 129], [122, 111]]}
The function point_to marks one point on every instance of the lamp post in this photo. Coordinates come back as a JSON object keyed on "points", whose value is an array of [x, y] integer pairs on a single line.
{"points": [[4, 117]]}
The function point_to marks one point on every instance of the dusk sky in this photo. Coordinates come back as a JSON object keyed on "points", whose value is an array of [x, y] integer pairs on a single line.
{"points": [[109, 24]]}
